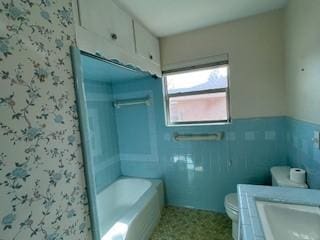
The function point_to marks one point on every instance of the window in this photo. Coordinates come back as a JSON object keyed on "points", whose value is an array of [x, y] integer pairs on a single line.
{"points": [[198, 96]]}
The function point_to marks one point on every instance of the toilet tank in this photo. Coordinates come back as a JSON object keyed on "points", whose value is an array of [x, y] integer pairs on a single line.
{"points": [[281, 177]]}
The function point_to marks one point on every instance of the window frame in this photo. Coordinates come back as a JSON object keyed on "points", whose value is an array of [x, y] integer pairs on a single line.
{"points": [[167, 96]]}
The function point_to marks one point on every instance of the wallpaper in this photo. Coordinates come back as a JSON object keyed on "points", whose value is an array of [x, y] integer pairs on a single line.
{"points": [[42, 191]]}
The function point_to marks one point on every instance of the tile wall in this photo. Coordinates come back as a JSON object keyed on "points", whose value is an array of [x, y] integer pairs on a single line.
{"points": [[196, 174], [103, 137], [302, 151]]}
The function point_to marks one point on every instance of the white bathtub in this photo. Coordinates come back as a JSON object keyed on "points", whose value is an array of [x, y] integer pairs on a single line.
{"points": [[129, 209]]}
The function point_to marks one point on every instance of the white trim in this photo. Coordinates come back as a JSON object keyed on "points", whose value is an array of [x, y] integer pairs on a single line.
{"points": [[195, 62]]}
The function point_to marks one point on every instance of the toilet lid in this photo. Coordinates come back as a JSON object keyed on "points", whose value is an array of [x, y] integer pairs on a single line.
{"points": [[231, 201]]}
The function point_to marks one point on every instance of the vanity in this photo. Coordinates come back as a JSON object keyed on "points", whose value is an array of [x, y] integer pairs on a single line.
{"points": [[278, 213]]}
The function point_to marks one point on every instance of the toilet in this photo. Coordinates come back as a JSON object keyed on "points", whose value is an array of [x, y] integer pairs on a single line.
{"points": [[232, 209], [280, 177]]}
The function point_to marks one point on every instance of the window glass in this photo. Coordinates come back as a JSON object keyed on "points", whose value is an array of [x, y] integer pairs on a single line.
{"points": [[197, 97], [198, 80]]}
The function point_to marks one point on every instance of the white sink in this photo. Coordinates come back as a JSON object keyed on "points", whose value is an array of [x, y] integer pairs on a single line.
{"points": [[282, 221]]}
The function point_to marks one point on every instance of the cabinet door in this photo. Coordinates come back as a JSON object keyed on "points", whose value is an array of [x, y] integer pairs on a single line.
{"points": [[147, 45], [106, 19]]}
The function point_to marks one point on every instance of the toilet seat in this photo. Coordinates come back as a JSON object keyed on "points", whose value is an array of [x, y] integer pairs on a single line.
{"points": [[231, 202]]}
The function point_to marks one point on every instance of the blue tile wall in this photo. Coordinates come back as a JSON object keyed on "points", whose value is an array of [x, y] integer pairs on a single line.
{"points": [[137, 131], [103, 137], [301, 151], [196, 174], [134, 141]]}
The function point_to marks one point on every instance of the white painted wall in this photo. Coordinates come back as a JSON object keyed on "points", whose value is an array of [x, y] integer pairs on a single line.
{"points": [[255, 47], [302, 51]]}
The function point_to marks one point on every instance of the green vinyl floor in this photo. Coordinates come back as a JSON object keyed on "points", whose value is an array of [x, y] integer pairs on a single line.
{"points": [[190, 224]]}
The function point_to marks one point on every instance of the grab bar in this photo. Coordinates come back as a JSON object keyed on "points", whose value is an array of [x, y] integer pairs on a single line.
{"points": [[130, 102], [199, 137]]}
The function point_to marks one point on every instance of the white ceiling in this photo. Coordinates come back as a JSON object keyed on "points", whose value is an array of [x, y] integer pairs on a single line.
{"points": [[168, 17]]}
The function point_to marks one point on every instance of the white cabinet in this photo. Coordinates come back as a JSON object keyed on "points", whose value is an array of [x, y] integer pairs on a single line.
{"points": [[106, 19], [105, 29], [147, 46]]}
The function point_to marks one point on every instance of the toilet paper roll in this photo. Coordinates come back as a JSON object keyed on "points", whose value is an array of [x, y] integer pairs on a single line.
{"points": [[298, 175]]}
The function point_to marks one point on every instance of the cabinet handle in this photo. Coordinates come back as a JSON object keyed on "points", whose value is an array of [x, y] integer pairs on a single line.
{"points": [[150, 56], [114, 36]]}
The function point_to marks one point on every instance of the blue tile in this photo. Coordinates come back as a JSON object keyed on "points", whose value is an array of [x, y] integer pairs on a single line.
{"points": [[103, 138], [256, 226], [301, 151], [198, 174], [248, 193]]}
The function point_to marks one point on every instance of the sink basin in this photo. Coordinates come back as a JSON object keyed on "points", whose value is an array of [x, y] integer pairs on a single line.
{"points": [[284, 221]]}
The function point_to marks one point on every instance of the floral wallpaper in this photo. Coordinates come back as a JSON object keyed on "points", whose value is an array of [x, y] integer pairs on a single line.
{"points": [[42, 191]]}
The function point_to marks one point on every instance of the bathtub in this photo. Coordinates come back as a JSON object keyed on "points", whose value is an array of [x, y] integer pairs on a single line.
{"points": [[129, 209]]}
